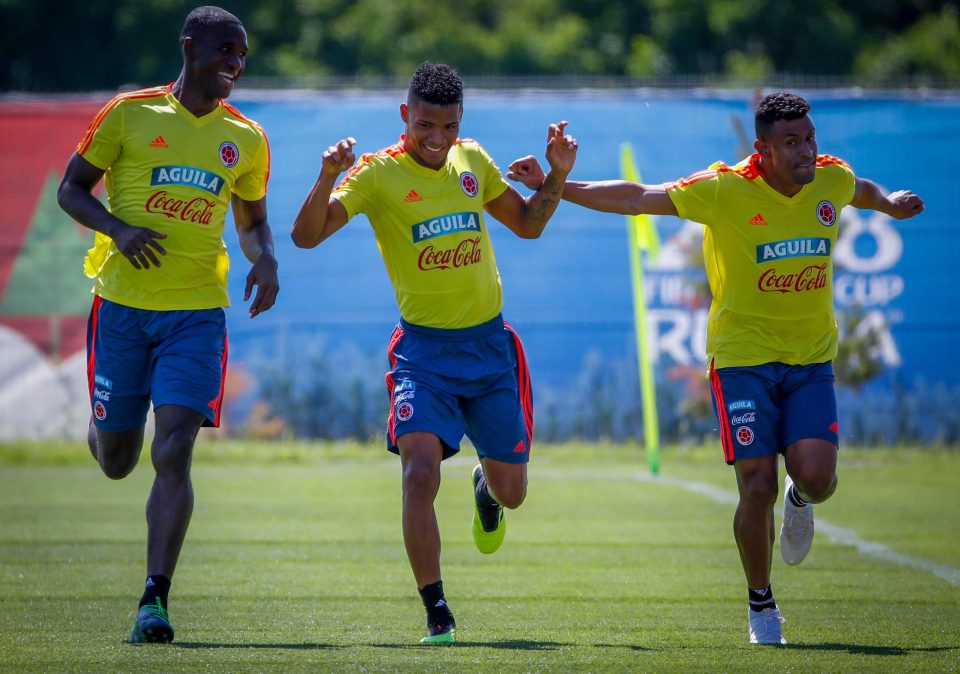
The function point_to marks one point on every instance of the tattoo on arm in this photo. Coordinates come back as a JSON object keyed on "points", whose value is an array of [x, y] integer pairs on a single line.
{"points": [[544, 202]]}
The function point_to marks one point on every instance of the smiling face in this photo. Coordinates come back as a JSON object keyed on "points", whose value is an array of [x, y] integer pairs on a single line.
{"points": [[788, 154], [215, 58], [431, 131]]}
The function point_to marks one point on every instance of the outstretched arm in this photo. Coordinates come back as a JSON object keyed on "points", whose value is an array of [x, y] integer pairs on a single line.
{"points": [[609, 196], [527, 217], [139, 245], [256, 242], [901, 205], [320, 215]]}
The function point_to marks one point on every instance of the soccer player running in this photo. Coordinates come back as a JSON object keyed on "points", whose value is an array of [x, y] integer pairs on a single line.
{"points": [[456, 367], [175, 158], [770, 227]]}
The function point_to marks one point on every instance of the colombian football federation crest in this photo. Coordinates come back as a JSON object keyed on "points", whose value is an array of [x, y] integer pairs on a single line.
{"points": [[404, 410], [469, 184], [745, 435], [99, 411], [826, 213], [229, 154]]}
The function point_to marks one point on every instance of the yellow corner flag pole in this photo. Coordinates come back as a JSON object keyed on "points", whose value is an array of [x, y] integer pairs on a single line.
{"points": [[642, 236]]}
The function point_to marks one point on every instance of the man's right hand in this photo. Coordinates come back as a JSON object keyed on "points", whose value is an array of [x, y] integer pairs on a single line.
{"points": [[139, 245], [338, 158]]}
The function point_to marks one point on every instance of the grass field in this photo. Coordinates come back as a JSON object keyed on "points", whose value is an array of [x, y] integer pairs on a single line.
{"points": [[295, 562]]}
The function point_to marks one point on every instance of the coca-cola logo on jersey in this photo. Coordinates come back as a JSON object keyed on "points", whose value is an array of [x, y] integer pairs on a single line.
{"points": [[809, 278], [198, 209], [465, 253]]}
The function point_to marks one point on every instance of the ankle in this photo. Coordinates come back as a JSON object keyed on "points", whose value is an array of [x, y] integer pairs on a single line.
{"points": [[156, 587]]}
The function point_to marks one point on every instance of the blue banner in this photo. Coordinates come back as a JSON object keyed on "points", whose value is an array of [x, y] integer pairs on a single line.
{"points": [[568, 293]]}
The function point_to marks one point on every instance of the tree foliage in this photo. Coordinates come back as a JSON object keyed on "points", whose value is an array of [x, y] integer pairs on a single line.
{"points": [[102, 44]]}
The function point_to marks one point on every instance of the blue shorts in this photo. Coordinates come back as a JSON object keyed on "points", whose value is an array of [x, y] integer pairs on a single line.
{"points": [[472, 381], [762, 409], [138, 355]]}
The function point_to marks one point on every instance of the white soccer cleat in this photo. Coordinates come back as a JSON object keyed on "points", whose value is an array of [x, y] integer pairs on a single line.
{"points": [[765, 626], [796, 531]]}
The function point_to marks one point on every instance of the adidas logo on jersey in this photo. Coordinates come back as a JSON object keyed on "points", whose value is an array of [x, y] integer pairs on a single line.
{"points": [[158, 142], [411, 197], [757, 221]]}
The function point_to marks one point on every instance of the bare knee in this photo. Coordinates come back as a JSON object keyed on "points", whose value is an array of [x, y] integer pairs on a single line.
{"points": [[815, 487], [172, 454], [509, 493], [421, 479], [117, 464], [759, 491], [117, 453]]}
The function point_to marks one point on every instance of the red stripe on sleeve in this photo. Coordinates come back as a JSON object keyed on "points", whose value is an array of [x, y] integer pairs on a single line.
{"points": [[91, 131]]}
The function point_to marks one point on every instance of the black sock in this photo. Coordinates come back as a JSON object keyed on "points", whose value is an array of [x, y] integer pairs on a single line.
{"points": [[483, 494], [157, 587], [761, 599], [432, 595], [795, 497], [435, 603]]}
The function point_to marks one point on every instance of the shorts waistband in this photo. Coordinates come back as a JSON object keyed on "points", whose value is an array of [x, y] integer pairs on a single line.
{"points": [[455, 334]]}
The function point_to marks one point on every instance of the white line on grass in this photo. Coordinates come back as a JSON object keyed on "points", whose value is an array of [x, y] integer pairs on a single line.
{"points": [[834, 533]]}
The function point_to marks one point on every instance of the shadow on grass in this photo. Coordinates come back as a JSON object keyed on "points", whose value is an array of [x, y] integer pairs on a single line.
{"points": [[861, 649], [283, 647], [508, 645], [631, 647]]}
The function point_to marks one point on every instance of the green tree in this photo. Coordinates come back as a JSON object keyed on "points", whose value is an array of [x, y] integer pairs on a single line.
{"points": [[929, 49]]}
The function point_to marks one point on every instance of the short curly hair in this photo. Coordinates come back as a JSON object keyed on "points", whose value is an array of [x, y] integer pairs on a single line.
{"points": [[203, 18], [775, 107], [436, 83]]}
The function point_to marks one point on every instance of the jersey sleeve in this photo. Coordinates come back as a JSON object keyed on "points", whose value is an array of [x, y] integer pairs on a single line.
{"points": [[102, 142], [355, 190], [846, 178], [494, 184], [696, 196], [252, 185]]}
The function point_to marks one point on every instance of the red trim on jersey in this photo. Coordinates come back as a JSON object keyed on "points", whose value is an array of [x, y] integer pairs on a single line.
{"points": [[217, 403], [392, 358], [749, 171], [829, 159], [393, 151], [152, 92], [243, 118], [92, 342], [523, 382], [726, 439]]}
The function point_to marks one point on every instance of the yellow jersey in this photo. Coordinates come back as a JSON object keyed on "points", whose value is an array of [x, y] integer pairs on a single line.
{"points": [[768, 260], [431, 232], [174, 173]]}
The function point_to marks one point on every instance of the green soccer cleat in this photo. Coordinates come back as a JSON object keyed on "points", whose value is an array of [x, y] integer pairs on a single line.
{"points": [[489, 527], [152, 625], [442, 638], [441, 625]]}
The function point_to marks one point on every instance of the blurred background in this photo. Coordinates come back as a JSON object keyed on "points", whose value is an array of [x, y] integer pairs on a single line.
{"points": [[676, 79]]}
